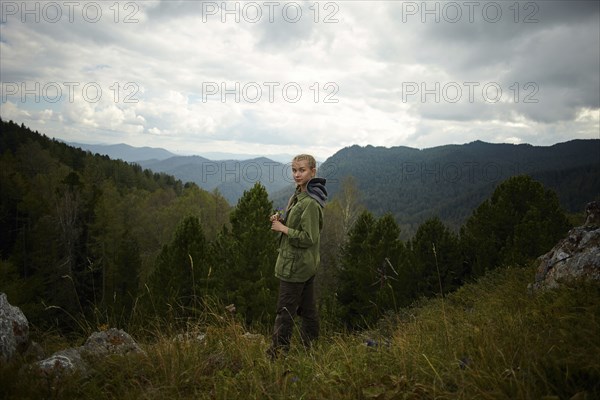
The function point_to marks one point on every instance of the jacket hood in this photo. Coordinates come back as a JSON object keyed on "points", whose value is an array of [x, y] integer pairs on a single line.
{"points": [[316, 189]]}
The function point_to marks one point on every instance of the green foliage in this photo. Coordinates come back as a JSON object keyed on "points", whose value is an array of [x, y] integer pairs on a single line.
{"points": [[437, 259], [81, 232], [379, 274], [176, 285], [368, 279], [122, 285], [245, 258], [340, 215], [521, 221]]}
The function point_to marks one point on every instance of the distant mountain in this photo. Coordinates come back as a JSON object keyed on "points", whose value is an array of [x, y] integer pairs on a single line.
{"points": [[129, 153], [282, 158], [451, 181], [446, 181], [125, 152], [230, 177]]}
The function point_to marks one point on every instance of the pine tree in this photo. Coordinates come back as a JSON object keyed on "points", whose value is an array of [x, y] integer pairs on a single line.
{"points": [[437, 259], [340, 214], [356, 274], [125, 280], [246, 256], [520, 222], [369, 277], [173, 284]]}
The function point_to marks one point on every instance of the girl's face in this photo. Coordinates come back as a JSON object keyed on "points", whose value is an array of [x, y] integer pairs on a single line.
{"points": [[302, 173]]}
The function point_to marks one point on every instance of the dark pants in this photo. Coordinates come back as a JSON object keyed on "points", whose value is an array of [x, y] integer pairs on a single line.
{"points": [[295, 299]]}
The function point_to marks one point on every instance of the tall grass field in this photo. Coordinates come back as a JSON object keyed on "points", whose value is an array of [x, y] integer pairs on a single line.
{"points": [[492, 339]]}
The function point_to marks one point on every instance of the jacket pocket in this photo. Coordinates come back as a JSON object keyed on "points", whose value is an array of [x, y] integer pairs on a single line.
{"points": [[286, 263]]}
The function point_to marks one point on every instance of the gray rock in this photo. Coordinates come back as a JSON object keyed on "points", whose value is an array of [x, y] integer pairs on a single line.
{"points": [[112, 341], [577, 257], [80, 359], [14, 329], [63, 362]]}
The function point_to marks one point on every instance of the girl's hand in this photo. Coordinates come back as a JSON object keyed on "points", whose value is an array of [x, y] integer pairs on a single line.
{"points": [[277, 226]]}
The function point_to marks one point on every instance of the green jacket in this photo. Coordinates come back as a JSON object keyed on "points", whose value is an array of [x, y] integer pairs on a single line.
{"points": [[299, 256]]}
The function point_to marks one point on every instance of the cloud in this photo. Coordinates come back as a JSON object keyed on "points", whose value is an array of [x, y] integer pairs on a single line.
{"points": [[184, 75]]}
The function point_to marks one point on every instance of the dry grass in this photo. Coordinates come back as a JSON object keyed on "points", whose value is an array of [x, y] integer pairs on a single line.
{"points": [[489, 340]]}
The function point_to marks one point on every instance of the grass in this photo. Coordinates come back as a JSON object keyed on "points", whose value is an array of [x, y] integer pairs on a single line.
{"points": [[489, 340]]}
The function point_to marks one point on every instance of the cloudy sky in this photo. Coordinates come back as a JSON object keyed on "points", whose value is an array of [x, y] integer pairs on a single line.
{"points": [[283, 77]]}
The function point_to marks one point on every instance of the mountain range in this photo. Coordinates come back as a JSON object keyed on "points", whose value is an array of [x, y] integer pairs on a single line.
{"points": [[451, 181], [230, 177], [125, 152], [412, 184], [129, 153]]}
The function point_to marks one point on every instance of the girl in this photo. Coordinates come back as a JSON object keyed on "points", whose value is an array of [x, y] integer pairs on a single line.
{"points": [[299, 257]]}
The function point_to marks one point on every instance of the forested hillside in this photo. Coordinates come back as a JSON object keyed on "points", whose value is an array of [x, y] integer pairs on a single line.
{"points": [[451, 181], [89, 240], [80, 232]]}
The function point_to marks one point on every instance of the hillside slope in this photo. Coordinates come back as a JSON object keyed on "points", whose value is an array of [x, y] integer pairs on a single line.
{"points": [[490, 339], [450, 181]]}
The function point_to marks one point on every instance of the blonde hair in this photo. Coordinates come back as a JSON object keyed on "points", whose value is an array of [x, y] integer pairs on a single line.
{"points": [[312, 163]]}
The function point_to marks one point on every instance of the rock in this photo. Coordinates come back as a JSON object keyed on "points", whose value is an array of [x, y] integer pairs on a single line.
{"points": [[112, 341], [575, 257], [14, 329], [189, 336], [64, 362], [99, 344]]}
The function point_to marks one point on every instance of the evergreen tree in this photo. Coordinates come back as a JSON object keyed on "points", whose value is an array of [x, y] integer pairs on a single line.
{"points": [[437, 259], [125, 280], [80, 233], [520, 222], [340, 214], [386, 247], [246, 257], [174, 284], [369, 277], [356, 274]]}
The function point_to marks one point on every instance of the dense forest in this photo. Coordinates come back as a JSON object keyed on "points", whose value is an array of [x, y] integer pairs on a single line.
{"points": [[451, 181], [88, 238]]}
